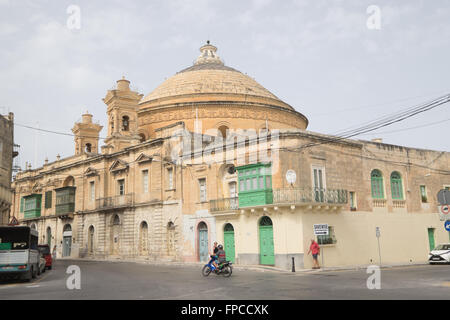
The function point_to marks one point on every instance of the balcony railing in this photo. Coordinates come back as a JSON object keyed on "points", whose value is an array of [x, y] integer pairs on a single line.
{"points": [[114, 202], [224, 204], [309, 195]]}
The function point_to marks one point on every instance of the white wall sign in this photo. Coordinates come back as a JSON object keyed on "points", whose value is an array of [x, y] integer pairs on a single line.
{"points": [[321, 229], [291, 176]]}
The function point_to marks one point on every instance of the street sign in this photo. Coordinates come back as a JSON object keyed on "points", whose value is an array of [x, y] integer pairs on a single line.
{"points": [[13, 222], [443, 197], [444, 212], [447, 225], [321, 229], [291, 176], [377, 232]]}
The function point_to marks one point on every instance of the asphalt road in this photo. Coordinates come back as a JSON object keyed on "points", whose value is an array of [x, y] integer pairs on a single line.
{"points": [[121, 280]]}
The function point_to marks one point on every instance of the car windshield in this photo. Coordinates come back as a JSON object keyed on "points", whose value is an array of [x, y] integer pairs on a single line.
{"points": [[443, 247], [44, 249]]}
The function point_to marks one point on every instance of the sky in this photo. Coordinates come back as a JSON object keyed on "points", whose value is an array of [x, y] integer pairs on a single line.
{"points": [[330, 60]]}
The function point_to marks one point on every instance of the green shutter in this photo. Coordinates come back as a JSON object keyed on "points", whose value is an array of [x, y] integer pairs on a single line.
{"points": [[21, 204], [48, 199], [255, 185], [396, 186], [376, 179]]}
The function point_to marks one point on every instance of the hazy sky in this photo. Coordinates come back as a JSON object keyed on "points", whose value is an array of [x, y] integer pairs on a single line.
{"points": [[318, 56]]}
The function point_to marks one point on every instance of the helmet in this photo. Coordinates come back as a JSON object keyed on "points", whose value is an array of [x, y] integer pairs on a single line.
{"points": [[220, 247]]}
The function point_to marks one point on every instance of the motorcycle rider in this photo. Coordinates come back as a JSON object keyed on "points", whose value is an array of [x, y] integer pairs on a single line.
{"points": [[214, 255]]}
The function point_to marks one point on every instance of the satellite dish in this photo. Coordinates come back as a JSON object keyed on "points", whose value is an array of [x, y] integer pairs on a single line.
{"points": [[291, 176]]}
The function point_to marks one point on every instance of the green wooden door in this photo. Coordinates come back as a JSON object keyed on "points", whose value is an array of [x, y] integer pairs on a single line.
{"points": [[431, 238], [228, 238], [267, 255]]}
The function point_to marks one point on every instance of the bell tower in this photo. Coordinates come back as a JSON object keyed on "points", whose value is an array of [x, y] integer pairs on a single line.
{"points": [[122, 110], [86, 135]]}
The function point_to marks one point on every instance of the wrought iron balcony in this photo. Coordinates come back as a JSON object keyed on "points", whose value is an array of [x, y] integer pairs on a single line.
{"points": [[115, 202], [225, 204], [309, 195]]}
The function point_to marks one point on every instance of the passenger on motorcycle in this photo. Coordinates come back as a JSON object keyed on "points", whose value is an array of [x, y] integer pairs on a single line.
{"points": [[221, 256]]}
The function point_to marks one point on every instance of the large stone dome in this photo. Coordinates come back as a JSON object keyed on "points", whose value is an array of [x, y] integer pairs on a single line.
{"points": [[210, 85]]}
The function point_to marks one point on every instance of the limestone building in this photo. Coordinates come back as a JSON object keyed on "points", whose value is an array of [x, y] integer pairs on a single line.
{"points": [[211, 155], [7, 153]]}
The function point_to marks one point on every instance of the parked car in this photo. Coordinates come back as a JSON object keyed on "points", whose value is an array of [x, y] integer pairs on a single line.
{"points": [[45, 250], [440, 254]]}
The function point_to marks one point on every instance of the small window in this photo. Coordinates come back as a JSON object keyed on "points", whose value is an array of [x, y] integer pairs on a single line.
{"points": [[170, 178], [121, 187], [92, 190], [48, 199], [125, 123], [327, 239], [88, 147], [145, 181], [202, 186], [423, 194], [352, 201]]}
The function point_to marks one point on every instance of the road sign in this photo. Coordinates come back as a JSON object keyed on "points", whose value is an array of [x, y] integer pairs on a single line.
{"points": [[447, 225], [377, 232], [443, 197], [321, 229], [444, 212]]}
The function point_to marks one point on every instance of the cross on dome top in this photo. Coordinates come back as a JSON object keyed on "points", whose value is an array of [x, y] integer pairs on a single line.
{"points": [[208, 55]]}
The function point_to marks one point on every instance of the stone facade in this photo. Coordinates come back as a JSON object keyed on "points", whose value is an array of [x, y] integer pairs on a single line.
{"points": [[6, 163], [164, 187]]}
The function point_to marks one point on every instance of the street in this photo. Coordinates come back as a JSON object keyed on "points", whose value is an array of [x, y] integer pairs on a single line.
{"points": [[122, 280]]}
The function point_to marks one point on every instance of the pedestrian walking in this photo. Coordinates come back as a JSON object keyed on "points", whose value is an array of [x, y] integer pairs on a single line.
{"points": [[54, 253], [314, 249]]}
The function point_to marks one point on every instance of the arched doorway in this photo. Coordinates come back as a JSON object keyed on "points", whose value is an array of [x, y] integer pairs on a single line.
{"points": [[266, 249], [67, 240], [203, 253], [170, 239], [91, 240], [143, 239], [49, 237], [228, 240], [115, 235]]}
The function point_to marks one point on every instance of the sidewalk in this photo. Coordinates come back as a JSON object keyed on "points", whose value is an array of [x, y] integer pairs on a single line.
{"points": [[258, 268]]}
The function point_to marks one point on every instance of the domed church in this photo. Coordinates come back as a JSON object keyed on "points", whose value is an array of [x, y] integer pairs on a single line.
{"points": [[211, 155]]}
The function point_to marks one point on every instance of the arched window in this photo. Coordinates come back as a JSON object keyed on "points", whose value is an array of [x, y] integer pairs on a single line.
{"points": [[125, 123], [116, 220], [265, 221], [88, 147], [143, 238], [223, 130], [228, 227], [396, 186], [376, 179], [91, 240], [33, 226]]}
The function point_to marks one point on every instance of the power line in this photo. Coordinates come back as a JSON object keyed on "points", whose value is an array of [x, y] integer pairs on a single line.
{"points": [[410, 128]]}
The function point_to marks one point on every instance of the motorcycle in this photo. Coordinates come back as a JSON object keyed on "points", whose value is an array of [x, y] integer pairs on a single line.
{"points": [[224, 269]]}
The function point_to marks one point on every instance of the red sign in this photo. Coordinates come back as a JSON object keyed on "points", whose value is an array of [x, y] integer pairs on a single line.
{"points": [[445, 209], [13, 222]]}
